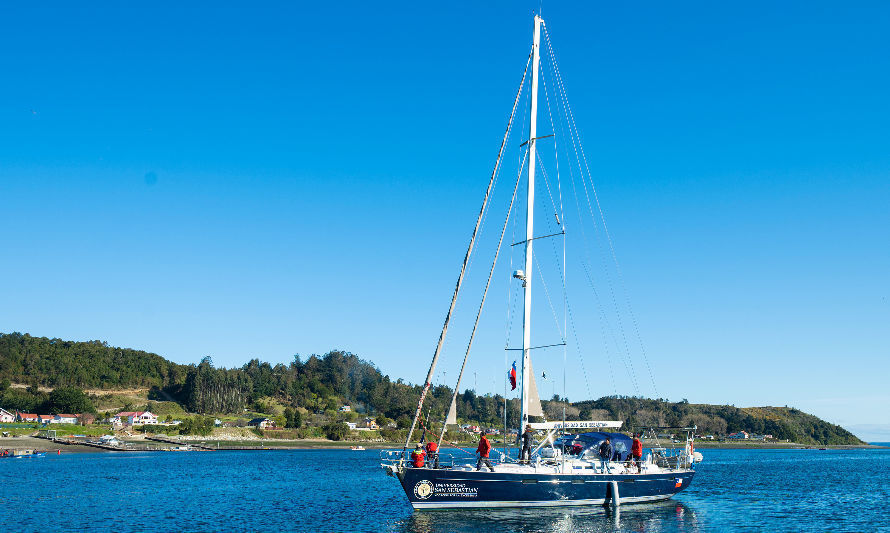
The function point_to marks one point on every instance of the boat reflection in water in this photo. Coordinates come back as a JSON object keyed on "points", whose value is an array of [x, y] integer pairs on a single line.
{"points": [[659, 516]]}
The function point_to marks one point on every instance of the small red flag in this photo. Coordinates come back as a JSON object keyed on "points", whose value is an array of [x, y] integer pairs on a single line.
{"points": [[512, 376]]}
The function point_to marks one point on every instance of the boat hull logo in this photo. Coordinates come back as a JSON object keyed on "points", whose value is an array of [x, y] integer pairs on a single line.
{"points": [[423, 489]]}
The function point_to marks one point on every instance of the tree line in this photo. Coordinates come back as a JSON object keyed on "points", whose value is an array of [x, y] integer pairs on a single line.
{"points": [[322, 383]]}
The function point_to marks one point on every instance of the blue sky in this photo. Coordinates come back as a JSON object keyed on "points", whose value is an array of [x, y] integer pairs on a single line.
{"points": [[240, 182]]}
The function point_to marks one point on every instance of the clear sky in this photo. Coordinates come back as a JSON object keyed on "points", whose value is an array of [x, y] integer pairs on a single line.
{"points": [[244, 182]]}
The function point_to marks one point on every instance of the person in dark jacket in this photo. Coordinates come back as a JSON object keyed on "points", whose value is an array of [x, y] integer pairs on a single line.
{"points": [[606, 455], [525, 453], [483, 450], [636, 451]]}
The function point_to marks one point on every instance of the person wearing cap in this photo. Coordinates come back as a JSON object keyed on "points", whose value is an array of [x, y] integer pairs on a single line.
{"points": [[417, 456], [525, 454], [483, 450]]}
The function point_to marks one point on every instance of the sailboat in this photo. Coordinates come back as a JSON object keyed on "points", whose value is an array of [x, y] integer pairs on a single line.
{"points": [[565, 468]]}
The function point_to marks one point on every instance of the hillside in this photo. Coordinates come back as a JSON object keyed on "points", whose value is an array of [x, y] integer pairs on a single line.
{"points": [[784, 423], [321, 384]]}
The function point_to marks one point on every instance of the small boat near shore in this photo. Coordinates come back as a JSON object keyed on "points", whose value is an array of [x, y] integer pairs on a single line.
{"points": [[21, 454], [357, 448]]}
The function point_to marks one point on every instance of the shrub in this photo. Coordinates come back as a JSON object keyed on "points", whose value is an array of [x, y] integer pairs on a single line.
{"points": [[336, 430]]}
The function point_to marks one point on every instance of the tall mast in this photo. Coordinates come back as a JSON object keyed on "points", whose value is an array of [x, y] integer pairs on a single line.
{"points": [[529, 227]]}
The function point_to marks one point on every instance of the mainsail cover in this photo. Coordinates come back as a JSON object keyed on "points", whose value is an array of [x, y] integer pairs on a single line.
{"points": [[452, 412], [534, 401]]}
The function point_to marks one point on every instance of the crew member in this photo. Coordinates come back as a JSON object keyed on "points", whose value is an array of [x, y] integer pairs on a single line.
{"points": [[417, 456], [636, 451], [605, 455], [432, 453], [483, 450], [525, 454]]}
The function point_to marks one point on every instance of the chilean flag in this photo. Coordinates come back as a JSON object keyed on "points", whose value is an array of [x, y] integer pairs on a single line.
{"points": [[512, 376]]}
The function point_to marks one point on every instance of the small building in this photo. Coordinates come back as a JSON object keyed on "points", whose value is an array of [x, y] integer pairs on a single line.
{"points": [[6, 417], [134, 418], [26, 417], [741, 435], [345, 409], [44, 419], [64, 419], [352, 425], [261, 423]]}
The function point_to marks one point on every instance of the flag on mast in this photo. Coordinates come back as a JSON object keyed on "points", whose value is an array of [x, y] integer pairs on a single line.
{"points": [[512, 376]]}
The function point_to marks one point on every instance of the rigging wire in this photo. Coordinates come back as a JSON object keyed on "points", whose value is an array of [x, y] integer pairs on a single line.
{"points": [[576, 144], [436, 354], [564, 264], [547, 293], [482, 302], [606, 230]]}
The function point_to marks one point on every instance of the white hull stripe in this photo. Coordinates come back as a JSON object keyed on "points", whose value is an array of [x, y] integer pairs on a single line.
{"points": [[554, 503]]}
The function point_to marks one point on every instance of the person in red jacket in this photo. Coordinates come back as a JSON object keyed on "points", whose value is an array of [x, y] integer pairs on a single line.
{"points": [[483, 450], [432, 453], [417, 457], [636, 451]]}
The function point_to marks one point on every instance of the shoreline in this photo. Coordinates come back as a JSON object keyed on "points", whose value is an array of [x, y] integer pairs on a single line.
{"points": [[43, 445]]}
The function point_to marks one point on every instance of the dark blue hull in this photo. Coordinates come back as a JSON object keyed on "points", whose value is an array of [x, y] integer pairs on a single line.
{"points": [[439, 489]]}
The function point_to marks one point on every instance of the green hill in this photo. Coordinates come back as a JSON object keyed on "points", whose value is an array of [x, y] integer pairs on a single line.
{"points": [[324, 383], [780, 422]]}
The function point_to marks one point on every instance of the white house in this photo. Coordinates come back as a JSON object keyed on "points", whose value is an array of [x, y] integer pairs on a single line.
{"points": [[64, 419], [134, 418], [262, 423], [352, 425], [6, 416], [44, 419], [345, 409]]}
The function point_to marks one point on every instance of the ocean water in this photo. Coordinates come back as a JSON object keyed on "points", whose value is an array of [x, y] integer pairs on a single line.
{"points": [[344, 490]]}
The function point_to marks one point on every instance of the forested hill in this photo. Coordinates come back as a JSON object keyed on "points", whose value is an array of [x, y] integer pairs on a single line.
{"points": [[323, 383], [92, 364]]}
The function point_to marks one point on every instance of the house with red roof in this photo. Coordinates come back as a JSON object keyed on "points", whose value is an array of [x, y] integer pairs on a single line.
{"points": [[26, 417], [44, 419]]}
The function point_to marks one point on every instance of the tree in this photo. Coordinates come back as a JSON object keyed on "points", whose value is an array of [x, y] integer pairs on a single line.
{"points": [[336, 430], [69, 400], [292, 417], [5, 384]]}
